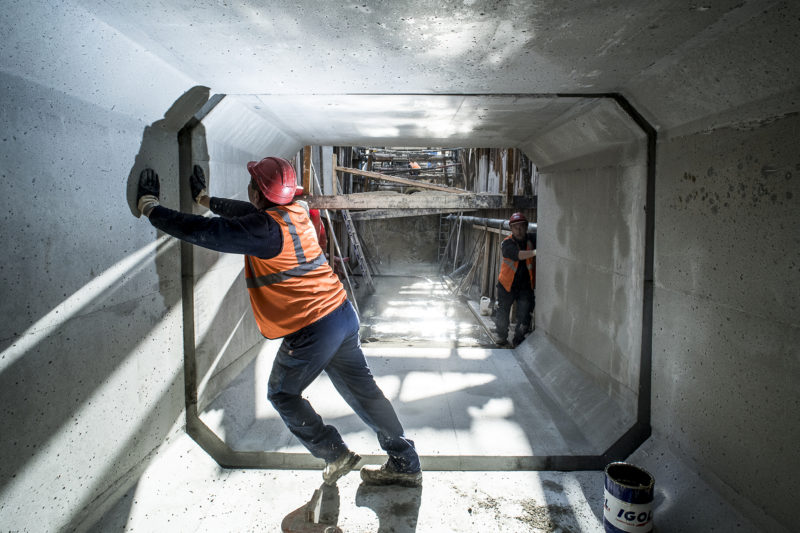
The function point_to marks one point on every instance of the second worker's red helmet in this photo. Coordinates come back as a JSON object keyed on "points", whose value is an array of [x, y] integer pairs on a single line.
{"points": [[275, 178], [517, 217]]}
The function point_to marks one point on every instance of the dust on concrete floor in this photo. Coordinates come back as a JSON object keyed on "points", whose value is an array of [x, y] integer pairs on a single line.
{"points": [[418, 310], [184, 490]]}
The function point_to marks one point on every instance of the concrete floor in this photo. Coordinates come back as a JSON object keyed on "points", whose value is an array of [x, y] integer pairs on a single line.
{"points": [[419, 311], [463, 401], [473, 411], [184, 490]]}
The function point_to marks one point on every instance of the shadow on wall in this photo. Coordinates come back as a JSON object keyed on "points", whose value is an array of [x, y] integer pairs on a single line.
{"points": [[151, 153], [92, 505], [156, 422], [61, 371], [55, 383]]}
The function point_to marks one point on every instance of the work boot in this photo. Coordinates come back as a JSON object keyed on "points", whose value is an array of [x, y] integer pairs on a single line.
{"points": [[340, 467], [387, 475]]}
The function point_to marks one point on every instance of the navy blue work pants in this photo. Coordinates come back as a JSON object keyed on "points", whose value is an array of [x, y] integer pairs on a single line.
{"points": [[525, 302], [332, 344]]}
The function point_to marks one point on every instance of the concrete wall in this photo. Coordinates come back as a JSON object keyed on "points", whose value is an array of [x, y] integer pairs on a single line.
{"points": [[91, 371], [590, 246], [726, 344], [401, 246], [726, 361]]}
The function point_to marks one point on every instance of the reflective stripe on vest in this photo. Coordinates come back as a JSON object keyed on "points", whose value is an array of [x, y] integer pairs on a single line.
{"points": [[269, 279], [508, 268], [288, 291]]}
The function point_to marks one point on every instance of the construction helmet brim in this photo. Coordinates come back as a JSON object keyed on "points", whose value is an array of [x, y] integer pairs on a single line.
{"points": [[275, 177]]}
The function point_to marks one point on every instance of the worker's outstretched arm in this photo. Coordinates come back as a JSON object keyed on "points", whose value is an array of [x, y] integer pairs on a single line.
{"points": [[255, 234], [224, 207], [511, 251]]}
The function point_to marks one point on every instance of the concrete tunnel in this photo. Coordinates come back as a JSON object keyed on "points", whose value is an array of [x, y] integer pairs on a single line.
{"points": [[668, 268]]}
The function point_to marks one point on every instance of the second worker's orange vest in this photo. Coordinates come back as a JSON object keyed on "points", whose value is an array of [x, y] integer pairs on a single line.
{"points": [[297, 287], [508, 269]]}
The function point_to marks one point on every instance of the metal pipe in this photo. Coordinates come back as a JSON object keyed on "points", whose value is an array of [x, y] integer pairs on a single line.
{"points": [[499, 223]]}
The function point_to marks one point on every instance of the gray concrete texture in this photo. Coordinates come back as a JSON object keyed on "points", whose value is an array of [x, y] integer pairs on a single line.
{"points": [[92, 337]]}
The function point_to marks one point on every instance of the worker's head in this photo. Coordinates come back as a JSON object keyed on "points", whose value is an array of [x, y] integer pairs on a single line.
{"points": [[519, 226], [272, 179]]}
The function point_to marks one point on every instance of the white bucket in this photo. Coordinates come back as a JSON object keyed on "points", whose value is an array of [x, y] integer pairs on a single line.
{"points": [[486, 308]]}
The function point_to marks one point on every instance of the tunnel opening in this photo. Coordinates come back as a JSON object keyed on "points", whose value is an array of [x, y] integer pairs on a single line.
{"points": [[573, 385], [431, 267]]}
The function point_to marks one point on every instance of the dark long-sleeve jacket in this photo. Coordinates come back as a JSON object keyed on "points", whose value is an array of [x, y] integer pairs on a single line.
{"points": [[240, 228], [510, 249]]}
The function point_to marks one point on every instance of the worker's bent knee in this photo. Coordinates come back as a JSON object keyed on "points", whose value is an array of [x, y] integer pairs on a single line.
{"points": [[281, 400]]}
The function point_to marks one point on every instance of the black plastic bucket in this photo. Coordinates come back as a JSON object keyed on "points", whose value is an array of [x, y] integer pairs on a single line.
{"points": [[628, 502]]}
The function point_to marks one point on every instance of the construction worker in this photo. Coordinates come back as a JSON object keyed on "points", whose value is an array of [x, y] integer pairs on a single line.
{"points": [[294, 295], [414, 168], [517, 279]]}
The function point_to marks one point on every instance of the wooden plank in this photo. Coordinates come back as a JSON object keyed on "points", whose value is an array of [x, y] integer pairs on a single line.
{"points": [[404, 181], [487, 244], [368, 200], [376, 214], [390, 171], [511, 170], [493, 230], [306, 180], [335, 178]]}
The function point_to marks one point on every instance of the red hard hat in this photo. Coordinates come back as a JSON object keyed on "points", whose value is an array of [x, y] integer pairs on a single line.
{"points": [[517, 217], [275, 178]]}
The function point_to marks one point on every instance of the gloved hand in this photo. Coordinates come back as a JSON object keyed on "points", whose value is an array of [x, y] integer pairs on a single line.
{"points": [[147, 193], [197, 183]]}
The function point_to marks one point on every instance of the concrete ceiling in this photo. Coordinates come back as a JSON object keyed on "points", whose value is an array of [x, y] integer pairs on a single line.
{"points": [[431, 120], [470, 69]]}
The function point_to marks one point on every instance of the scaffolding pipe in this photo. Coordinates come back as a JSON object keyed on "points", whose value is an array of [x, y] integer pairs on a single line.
{"points": [[499, 223]]}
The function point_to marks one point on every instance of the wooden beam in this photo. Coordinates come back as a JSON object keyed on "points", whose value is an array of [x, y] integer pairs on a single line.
{"points": [[408, 155], [404, 181], [487, 244], [306, 183], [511, 171], [368, 200], [334, 178], [493, 230], [375, 214], [393, 171]]}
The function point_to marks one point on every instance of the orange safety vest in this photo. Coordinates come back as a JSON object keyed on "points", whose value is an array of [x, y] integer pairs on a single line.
{"points": [[508, 268], [297, 287]]}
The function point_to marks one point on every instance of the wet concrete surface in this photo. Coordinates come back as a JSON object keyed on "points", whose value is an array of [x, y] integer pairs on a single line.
{"points": [[418, 311]]}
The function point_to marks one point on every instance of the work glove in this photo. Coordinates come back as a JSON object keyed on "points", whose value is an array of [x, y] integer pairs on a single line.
{"points": [[197, 183], [147, 192]]}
